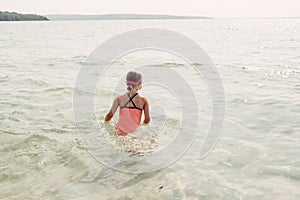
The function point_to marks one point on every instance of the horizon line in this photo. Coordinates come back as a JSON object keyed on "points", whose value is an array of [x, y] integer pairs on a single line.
{"points": [[174, 15], [177, 15]]}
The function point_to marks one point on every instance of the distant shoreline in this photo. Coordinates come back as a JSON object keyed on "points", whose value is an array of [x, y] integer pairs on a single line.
{"points": [[61, 17], [13, 16]]}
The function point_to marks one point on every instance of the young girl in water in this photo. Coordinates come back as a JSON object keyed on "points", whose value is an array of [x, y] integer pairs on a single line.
{"points": [[131, 106]]}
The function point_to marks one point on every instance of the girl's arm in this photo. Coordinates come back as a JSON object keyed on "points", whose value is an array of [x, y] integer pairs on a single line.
{"points": [[146, 112], [113, 109]]}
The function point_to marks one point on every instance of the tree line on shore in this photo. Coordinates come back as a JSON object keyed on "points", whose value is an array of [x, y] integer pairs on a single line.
{"points": [[13, 16]]}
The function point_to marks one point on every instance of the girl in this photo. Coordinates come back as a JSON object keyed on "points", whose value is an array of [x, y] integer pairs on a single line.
{"points": [[131, 106]]}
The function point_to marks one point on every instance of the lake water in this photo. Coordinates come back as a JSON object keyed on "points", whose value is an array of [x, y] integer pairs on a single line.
{"points": [[257, 156]]}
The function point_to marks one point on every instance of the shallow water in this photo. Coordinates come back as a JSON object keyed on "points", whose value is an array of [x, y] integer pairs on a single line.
{"points": [[43, 157]]}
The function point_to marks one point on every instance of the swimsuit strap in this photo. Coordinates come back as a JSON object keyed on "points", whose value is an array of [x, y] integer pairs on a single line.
{"points": [[131, 100]]}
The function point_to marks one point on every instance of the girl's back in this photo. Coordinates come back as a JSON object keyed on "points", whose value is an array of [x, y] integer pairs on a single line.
{"points": [[138, 100]]}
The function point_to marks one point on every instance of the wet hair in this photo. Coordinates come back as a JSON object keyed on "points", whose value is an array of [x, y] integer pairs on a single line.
{"points": [[129, 87], [133, 76]]}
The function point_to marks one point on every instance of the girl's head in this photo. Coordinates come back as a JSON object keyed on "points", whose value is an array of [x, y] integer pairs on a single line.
{"points": [[134, 81]]}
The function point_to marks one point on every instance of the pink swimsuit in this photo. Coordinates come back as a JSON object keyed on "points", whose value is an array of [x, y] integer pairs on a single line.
{"points": [[129, 117]]}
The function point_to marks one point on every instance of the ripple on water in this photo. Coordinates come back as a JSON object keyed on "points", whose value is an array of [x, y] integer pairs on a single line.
{"points": [[285, 171]]}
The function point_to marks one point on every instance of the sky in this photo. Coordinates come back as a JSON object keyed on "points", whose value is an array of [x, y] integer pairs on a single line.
{"points": [[209, 8]]}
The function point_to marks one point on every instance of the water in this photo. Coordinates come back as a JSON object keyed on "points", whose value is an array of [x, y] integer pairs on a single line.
{"points": [[43, 157]]}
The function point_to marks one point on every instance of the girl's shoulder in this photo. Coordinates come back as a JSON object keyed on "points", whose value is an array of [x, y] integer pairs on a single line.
{"points": [[144, 98]]}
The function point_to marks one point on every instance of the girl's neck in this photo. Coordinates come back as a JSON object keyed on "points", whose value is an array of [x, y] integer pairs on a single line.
{"points": [[131, 93]]}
